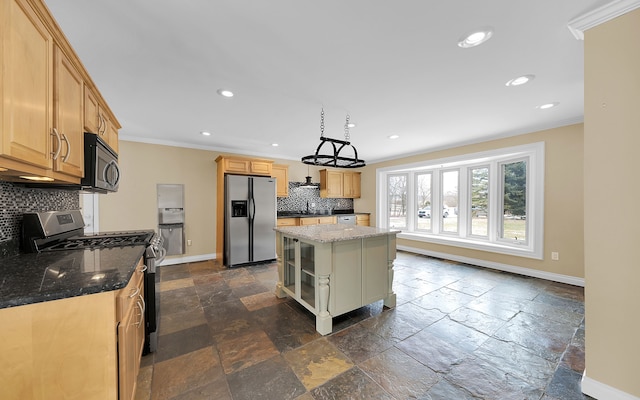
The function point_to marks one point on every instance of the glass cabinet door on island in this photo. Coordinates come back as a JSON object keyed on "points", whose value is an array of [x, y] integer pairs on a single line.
{"points": [[299, 275], [307, 274], [289, 260]]}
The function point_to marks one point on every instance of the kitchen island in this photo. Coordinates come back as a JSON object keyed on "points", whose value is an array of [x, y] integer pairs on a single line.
{"points": [[334, 269]]}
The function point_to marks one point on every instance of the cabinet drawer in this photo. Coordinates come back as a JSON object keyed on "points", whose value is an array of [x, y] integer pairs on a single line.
{"points": [[132, 293], [287, 222]]}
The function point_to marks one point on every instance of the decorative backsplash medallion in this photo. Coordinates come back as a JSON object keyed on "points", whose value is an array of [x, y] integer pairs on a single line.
{"points": [[299, 197], [16, 200]]}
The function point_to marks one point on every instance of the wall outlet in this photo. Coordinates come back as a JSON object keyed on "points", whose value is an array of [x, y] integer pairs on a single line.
{"points": [[189, 242], [555, 256]]}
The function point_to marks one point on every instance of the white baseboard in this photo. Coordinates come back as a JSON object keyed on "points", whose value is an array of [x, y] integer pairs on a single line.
{"points": [[187, 259], [599, 390], [571, 280]]}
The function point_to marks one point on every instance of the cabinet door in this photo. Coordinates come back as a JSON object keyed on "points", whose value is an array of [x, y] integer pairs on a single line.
{"points": [[375, 275], [68, 117], [330, 183], [113, 137], [91, 107], [346, 282], [27, 85], [362, 220], [260, 167], [351, 184], [281, 173]]}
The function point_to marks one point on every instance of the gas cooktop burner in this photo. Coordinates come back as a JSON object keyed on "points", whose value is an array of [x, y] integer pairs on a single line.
{"points": [[103, 241]]}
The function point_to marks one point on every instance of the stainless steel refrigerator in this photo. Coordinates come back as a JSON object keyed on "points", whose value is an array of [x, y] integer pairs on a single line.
{"points": [[249, 219]]}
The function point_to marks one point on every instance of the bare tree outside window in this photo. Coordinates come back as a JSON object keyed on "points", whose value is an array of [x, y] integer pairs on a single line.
{"points": [[397, 201], [450, 193], [423, 201]]}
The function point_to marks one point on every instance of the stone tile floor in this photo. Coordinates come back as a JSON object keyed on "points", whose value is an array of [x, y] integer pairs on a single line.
{"points": [[457, 332]]}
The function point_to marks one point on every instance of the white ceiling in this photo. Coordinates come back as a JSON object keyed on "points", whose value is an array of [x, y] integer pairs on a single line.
{"points": [[394, 66]]}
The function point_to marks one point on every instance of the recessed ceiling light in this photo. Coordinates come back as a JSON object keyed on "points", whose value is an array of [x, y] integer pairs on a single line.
{"points": [[205, 133], [393, 137], [225, 92], [521, 80], [275, 144], [475, 37], [547, 106]]}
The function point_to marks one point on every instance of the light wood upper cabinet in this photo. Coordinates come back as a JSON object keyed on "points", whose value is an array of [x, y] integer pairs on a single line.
{"points": [[331, 183], [351, 184], [26, 71], [338, 184], [245, 166], [281, 173], [42, 105], [97, 120], [68, 131]]}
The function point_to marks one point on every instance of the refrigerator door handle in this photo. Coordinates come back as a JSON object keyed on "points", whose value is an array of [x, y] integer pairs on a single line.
{"points": [[252, 208]]}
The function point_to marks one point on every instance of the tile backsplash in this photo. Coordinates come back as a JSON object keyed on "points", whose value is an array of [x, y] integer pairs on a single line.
{"points": [[300, 196], [16, 200]]}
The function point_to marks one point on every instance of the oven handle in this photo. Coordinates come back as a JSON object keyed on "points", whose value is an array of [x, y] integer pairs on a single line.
{"points": [[162, 253]]}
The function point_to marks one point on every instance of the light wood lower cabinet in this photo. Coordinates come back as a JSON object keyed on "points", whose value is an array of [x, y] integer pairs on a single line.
{"points": [[74, 348], [287, 222], [317, 220], [130, 334], [362, 220]]}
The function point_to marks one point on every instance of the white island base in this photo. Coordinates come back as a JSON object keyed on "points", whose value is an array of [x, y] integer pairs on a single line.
{"points": [[334, 269]]}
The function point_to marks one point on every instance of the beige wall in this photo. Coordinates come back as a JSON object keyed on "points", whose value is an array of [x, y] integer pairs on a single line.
{"points": [[144, 166], [612, 141], [563, 215]]}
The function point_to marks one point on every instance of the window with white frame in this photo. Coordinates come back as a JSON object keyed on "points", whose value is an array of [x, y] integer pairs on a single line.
{"points": [[490, 201]]}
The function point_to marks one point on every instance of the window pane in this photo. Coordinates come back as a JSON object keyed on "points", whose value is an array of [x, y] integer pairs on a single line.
{"points": [[423, 201], [514, 219], [479, 201], [449, 213], [397, 189]]}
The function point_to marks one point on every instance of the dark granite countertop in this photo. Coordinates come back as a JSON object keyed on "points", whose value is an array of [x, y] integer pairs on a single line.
{"points": [[34, 278], [303, 214]]}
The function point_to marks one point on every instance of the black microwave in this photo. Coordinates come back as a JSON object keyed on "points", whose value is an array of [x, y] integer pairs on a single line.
{"points": [[101, 171]]}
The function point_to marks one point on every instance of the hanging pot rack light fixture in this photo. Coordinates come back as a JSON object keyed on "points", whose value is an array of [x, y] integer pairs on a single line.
{"points": [[334, 160]]}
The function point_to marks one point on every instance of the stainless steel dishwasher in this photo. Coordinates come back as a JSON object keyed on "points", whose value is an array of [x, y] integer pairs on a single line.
{"points": [[347, 219]]}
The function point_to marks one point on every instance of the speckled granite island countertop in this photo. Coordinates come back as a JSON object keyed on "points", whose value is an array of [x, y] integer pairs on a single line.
{"points": [[334, 232], [34, 278]]}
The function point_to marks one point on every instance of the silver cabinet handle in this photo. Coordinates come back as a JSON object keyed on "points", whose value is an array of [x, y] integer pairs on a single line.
{"points": [[141, 313], [135, 293], [144, 268], [144, 305], [66, 156], [56, 153]]}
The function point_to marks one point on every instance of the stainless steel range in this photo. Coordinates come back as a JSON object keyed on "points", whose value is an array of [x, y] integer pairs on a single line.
{"points": [[64, 230]]}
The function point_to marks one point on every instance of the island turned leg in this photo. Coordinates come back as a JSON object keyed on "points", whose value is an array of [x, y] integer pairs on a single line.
{"points": [[323, 319], [279, 292], [390, 301]]}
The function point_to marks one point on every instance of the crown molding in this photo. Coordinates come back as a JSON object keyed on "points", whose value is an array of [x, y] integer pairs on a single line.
{"points": [[602, 14]]}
